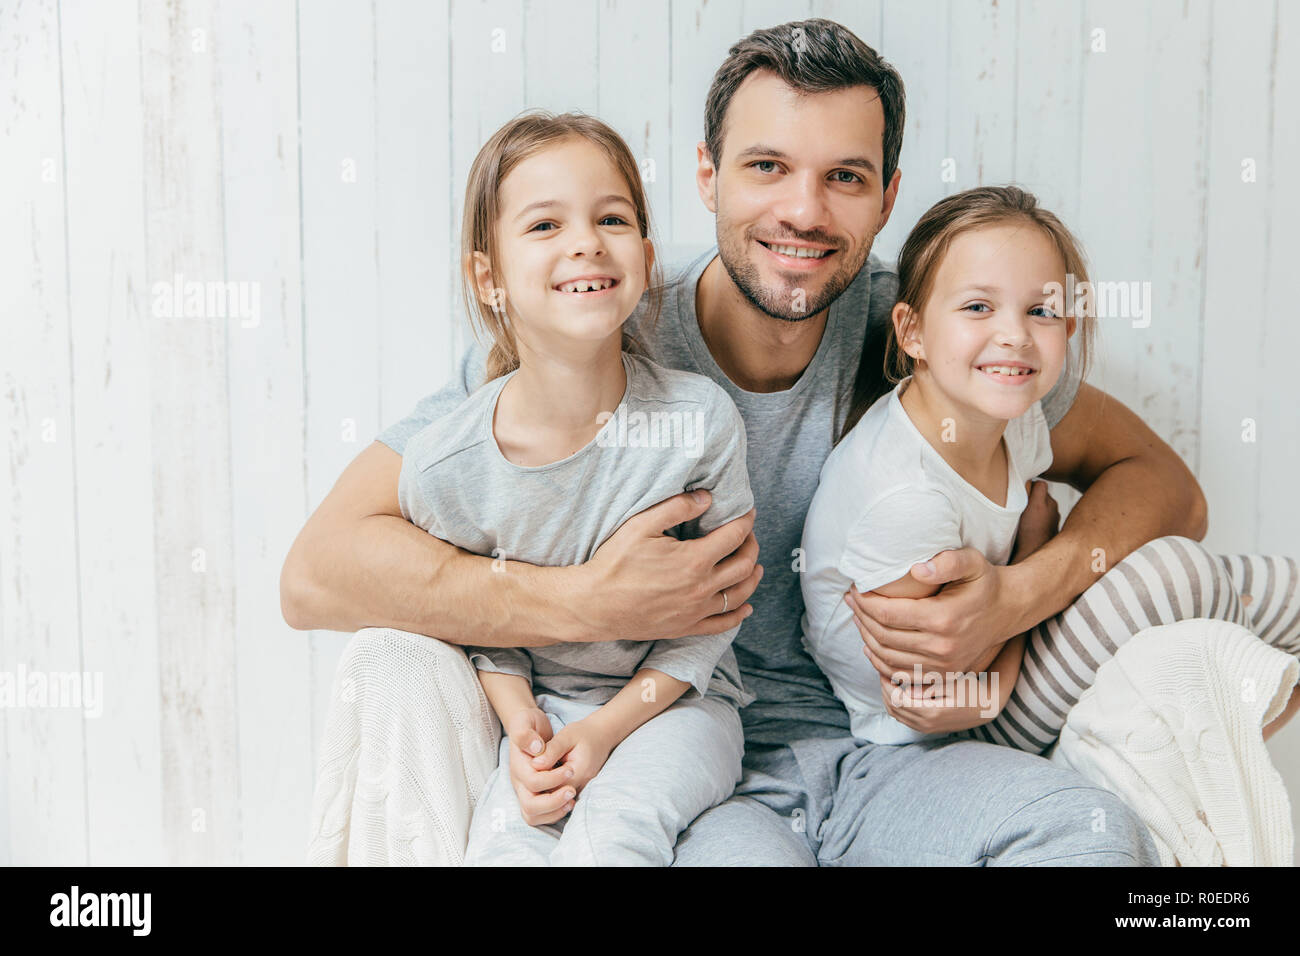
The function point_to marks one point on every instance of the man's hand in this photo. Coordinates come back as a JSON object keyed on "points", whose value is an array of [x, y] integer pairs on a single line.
{"points": [[580, 749], [544, 795], [940, 707], [648, 585], [951, 630], [959, 629]]}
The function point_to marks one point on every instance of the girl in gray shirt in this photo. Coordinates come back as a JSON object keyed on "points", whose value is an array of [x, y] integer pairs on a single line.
{"points": [[610, 748]]}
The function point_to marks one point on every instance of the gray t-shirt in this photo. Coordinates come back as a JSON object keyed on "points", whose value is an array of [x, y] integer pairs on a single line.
{"points": [[672, 432], [790, 433]]}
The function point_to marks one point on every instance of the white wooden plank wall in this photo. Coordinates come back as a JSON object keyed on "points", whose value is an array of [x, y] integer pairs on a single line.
{"points": [[314, 156]]}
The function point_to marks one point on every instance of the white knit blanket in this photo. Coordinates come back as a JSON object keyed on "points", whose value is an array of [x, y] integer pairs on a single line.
{"points": [[1173, 727], [409, 742]]}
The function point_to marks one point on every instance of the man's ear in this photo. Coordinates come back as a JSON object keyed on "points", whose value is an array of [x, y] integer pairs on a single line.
{"points": [[906, 328], [890, 197], [706, 177]]}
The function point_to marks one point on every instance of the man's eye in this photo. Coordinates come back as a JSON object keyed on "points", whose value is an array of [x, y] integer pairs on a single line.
{"points": [[853, 177], [765, 162], [976, 305], [540, 224]]}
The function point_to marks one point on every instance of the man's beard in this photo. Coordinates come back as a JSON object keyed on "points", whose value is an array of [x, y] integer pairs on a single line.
{"points": [[782, 304]]}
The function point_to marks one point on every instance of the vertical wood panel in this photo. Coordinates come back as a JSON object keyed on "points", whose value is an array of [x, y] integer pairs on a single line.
{"points": [[634, 89], [418, 242], [1236, 268], [336, 57], [982, 92], [1279, 443], [1168, 352], [1049, 53], [561, 54], [915, 40], [1115, 193], [259, 93], [487, 88], [38, 536], [194, 577], [702, 33], [864, 17], [762, 14], [110, 310]]}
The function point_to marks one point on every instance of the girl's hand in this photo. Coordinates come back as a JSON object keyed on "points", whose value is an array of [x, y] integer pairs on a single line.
{"points": [[580, 748], [544, 796], [936, 709], [1039, 522]]}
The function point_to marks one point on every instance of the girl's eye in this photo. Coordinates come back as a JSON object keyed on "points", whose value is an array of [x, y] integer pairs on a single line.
{"points": [[540, 224], [976, 305], [1043, 311], [853, 177], [618, 220], [765, 162]]}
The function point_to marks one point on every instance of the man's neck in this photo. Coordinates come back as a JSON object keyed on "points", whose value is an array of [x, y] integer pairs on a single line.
{"points": [[757, 352]]}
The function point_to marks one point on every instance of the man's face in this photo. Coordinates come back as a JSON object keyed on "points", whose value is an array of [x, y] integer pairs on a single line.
{"points": [[797, 192]]}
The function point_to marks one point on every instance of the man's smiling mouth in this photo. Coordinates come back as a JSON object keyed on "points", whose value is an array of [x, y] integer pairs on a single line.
{"points": [[796, 252]]}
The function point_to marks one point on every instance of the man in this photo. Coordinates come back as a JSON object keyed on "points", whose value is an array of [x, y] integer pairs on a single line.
{"points": [[800, 167]]}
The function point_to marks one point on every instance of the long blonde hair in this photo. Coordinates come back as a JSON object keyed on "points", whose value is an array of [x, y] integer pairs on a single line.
{"points": [[523, 136], [919, 261]]}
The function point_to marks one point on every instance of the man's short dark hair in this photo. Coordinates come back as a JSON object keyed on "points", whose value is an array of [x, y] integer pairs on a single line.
{"points": [[811, 56]]}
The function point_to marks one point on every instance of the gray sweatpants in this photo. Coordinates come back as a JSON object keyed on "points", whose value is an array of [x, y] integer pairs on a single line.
{"points": [[836, 801], [666, 773]]}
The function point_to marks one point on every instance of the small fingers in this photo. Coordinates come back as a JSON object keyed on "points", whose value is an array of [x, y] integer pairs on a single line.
{"points": [[539, 809], [541, 781]]}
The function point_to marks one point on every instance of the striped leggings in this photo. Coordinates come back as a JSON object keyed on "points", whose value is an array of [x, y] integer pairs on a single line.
{"points": [[1167, 580]]}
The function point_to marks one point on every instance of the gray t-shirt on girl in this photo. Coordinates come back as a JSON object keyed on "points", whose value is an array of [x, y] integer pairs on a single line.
{"points": [[790, 434], [672, 432]]}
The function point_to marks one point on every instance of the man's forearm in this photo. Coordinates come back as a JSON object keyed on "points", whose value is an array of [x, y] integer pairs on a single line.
{"points": [[389, 573], [1132, 502]]}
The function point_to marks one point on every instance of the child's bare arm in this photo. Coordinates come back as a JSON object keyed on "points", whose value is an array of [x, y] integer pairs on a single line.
{"points": [[544, 795]]}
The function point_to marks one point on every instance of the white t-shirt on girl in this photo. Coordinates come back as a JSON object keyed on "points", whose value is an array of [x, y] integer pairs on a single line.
{"points": [[886, 500]]}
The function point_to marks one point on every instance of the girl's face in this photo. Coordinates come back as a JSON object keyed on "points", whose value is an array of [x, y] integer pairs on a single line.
{"points": [[571, 254], [987, 335]]}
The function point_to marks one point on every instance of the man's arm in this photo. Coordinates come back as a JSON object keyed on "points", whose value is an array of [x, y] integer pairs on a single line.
{"points": [[1135, 488], [358, 563]]}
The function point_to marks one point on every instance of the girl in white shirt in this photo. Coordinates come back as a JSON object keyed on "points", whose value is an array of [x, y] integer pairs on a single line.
{"points": [[946, 460]]}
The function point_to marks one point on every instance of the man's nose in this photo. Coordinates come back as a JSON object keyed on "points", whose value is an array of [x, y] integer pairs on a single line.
{"points": [[803, 204]]}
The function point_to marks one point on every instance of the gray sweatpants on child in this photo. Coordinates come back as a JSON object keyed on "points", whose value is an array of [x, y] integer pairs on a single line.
{"points": [[666, 773]]}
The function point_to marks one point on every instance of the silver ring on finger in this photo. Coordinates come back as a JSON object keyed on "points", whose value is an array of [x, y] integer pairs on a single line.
{"points": [[726, 601]]}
